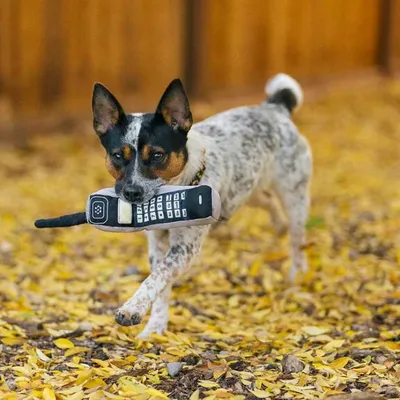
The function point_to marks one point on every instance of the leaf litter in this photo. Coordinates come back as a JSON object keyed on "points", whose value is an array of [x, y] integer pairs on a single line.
{"points": [[237, 329]]}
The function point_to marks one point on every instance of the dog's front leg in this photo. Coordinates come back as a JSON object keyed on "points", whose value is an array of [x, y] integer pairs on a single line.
{"points": [[185, 245], [158, 321]]}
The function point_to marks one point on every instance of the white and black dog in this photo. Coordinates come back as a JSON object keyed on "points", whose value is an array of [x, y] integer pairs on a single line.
{"points": [[247, 153]]}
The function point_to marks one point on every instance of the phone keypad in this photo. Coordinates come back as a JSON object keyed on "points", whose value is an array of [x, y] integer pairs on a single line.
{"points": [[162, 208]]}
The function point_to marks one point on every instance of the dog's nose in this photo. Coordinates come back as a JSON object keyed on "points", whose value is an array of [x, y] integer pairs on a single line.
{"points": [[133, 193]]}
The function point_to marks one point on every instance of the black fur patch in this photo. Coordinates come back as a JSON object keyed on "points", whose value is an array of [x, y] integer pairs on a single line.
{"points": [[285, 97]]}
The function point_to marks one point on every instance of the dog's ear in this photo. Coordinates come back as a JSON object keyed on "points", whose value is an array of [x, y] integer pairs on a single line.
{"points": [[174, 107], [107, 112]]}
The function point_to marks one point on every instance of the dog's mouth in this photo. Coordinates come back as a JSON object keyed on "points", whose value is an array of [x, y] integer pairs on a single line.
{"points": [[138, 202], [136, 194]]}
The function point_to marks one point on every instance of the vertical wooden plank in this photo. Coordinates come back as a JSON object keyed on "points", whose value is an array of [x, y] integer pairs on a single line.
{"points": [[5, 45], [390, 36], [299, 49], [277, 27], [154, 46], [372, 28], [53, 55], [396, 38], [29, 42], [209, 46], [6, 66], [239, 47]]}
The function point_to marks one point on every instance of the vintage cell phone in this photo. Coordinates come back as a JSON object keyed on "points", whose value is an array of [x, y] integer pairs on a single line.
{"points": [[172, 206]]}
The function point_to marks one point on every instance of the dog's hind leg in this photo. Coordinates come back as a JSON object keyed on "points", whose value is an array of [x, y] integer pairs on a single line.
{"points": [[293, 174], [158, 321]]}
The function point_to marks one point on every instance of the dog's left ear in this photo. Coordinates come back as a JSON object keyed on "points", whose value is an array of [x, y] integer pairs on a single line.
{"points": [[174, 107]]}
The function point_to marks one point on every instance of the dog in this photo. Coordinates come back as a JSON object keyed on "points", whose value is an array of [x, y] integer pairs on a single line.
{"points": [[251, 153]]}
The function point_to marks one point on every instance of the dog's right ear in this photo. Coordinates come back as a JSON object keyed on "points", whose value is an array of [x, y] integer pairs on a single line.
{"points": [[107, 112]]}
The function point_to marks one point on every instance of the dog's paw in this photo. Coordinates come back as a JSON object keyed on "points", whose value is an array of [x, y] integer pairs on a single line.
{"points": [[295, 269], [125, 318], [133, 311]]}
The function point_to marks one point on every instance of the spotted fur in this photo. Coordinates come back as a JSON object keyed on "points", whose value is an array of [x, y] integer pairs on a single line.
{"points": [[252, 153]]}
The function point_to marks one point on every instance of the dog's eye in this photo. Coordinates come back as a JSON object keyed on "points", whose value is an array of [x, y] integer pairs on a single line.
{"points": [[117, 156], [158, 156]]}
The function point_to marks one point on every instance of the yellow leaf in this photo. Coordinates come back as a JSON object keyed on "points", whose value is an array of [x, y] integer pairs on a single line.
{"points": [[208, 384], [222, 394], [391, 346], [95, 382], [195, 395], [261, 394], [255, 268], [42, 356], [340, 362], [157, 393], [75, 350], [334, 344], [314, 330], [63, 343], [48, 394], [83, 376], [71, 390], [11, 341], [77, 396]]}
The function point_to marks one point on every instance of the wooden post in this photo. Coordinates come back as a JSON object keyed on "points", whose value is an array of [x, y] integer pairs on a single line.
{"points": [[389, 57]]}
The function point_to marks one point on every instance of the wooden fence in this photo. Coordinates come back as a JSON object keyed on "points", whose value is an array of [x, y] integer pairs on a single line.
{"points": [[51, 51]]}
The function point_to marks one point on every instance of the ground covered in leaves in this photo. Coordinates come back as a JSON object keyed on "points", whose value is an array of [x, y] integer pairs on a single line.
{"points": [[237, 330]]}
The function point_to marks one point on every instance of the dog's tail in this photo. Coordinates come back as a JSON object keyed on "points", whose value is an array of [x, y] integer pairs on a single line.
{"points": [[284, 90]]}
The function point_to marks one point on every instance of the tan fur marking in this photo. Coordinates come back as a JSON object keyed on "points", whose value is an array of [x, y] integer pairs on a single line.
{"points": [[173, 166], [146, 152], [126, 152], [115, 173]]}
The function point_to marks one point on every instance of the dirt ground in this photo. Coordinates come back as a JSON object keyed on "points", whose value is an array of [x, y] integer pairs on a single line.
{"points": [[238, 330]]}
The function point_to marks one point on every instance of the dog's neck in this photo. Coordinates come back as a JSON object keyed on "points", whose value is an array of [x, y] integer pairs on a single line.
{"points": [[196, 160]]}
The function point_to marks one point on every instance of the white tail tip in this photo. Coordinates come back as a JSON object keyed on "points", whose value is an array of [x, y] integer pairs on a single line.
{"points": [[283, 81]]}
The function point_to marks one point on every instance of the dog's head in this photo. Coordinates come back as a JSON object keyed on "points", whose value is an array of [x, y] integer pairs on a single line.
{"points": [[143, 151]]}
